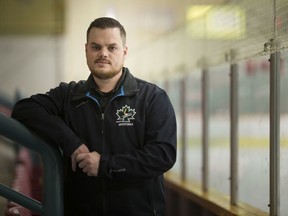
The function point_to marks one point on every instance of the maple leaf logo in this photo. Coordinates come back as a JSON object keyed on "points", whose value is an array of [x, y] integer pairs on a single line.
{"points": [[125, 114]]}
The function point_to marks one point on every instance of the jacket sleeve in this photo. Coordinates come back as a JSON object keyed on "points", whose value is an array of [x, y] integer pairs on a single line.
{"points": [[42, 114], [158, 153]]}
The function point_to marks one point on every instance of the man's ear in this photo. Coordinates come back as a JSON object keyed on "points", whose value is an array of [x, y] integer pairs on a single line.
{"points": [[125, 51]]}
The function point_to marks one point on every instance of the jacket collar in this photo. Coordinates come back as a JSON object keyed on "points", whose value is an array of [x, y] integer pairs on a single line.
{"points": [[129, 86]]}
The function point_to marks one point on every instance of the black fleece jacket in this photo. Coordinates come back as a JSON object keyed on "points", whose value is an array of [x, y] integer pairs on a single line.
{"points": [[135, 136]]}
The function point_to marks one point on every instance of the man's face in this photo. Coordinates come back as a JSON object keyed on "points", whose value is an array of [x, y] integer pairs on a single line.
{"points": [[105, 52]]}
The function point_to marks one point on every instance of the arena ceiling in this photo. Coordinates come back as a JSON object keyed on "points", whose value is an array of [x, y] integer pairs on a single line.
{"points": [[144, 18]]}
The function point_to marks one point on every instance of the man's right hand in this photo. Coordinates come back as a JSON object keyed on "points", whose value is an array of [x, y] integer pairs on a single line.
{"points": [[81, 149]]}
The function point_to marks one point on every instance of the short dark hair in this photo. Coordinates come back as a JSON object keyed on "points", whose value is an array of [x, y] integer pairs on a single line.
{"points": [[107, 22]]}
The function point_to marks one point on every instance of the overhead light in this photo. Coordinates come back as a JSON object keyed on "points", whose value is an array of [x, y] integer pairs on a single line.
{"points": [[216, 22]]}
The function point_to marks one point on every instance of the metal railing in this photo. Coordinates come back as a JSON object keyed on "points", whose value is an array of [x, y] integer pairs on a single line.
{"points": [[52, 203]]}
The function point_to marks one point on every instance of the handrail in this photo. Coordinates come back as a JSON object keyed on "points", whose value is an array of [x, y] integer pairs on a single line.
{"points": [[5, 101], [52, 203]]}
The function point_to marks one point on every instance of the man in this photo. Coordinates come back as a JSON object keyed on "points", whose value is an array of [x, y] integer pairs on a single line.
{"points": [[117, 132]]}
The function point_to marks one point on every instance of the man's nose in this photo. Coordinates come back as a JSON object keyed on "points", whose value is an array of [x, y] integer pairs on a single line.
{"points": [[103, 52]]}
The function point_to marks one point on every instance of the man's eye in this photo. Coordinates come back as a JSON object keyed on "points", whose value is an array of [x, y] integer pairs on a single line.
{"points": [[113, 48], [95, 47]]}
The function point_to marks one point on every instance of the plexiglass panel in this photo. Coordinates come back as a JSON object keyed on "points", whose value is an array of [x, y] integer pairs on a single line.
{"points": [[194, 126], [173, 90], [254, 132], [219, 128]]}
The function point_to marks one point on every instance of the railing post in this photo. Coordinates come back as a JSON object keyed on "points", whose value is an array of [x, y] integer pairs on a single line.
{"points": [[205, 130], [274, 132], [183, 127], [234, 115]]}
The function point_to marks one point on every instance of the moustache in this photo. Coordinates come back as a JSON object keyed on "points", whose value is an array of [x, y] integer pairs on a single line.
{"points": [[102, 60]]}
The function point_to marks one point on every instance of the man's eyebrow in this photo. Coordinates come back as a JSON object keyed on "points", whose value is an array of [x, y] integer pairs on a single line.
{"points": [[112, 44], [94, 43]]}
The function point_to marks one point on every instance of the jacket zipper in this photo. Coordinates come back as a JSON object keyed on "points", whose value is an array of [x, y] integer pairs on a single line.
{"points": [[103, 182], [102, 132], [102, 123], [104, 210]]}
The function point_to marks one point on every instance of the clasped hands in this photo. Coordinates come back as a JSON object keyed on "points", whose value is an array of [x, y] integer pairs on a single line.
{"points": [[86, 160]]}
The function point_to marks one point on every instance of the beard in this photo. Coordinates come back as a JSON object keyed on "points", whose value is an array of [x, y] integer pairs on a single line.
{"points": [[103, 75], [105, 72]]}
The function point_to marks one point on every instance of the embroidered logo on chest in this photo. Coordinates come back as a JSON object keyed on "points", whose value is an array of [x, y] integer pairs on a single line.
{"points": [[125, 116]]}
